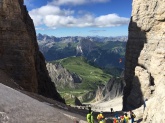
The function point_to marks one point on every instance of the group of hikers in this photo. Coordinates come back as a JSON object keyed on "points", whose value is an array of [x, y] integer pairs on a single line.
{"points": [[125, 118], [117, 119]]}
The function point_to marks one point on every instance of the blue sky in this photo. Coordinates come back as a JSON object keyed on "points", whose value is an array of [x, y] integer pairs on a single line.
{"points": [[80, 17]]}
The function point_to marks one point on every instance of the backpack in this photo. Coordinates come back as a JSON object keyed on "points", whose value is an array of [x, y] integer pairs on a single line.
{"points": [[133, 115], [88, 117]]}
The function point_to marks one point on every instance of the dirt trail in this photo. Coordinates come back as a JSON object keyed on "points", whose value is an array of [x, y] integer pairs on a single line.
{"points": [[116, 104]]}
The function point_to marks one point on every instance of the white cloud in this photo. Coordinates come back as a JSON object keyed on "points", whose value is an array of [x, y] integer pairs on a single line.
{"points": [[50, 10], [47, 14], [54, 17], [39, 28], [76, 2], [110, 20]]}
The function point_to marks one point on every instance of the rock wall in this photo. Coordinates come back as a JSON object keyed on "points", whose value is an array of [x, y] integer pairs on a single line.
{"points": [[145, 59], [19, 52]]}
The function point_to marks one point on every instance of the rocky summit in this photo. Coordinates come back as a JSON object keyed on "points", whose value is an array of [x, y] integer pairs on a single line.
{"points": [[19, 53], [145, 60]]}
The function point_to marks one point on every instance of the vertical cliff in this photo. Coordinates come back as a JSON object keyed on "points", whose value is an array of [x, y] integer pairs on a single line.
{"points": [[61, 76], [19, 52], [145, 59]]}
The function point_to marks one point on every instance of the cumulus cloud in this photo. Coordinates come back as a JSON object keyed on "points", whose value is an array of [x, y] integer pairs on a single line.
{"points": [[49, 15], [54, 17], [76, 2], [110, 20]]}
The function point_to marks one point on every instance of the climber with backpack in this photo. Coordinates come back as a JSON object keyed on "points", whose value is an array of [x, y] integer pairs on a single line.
{"points": [[90, 118], [132, 116]]}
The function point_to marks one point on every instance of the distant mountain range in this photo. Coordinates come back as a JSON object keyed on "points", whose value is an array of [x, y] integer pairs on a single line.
{"points": [[102, 58], [104, 52], [44, 37]]}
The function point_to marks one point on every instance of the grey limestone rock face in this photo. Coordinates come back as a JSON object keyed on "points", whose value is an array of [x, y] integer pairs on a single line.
{"points": [[145, 59], [19, 52], [114, 88], [62, 77]]}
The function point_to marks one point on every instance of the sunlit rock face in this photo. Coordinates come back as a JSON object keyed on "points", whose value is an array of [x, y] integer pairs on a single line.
{"points": [[113, 88], [19, 53], [145, 60], [62, 77]]}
